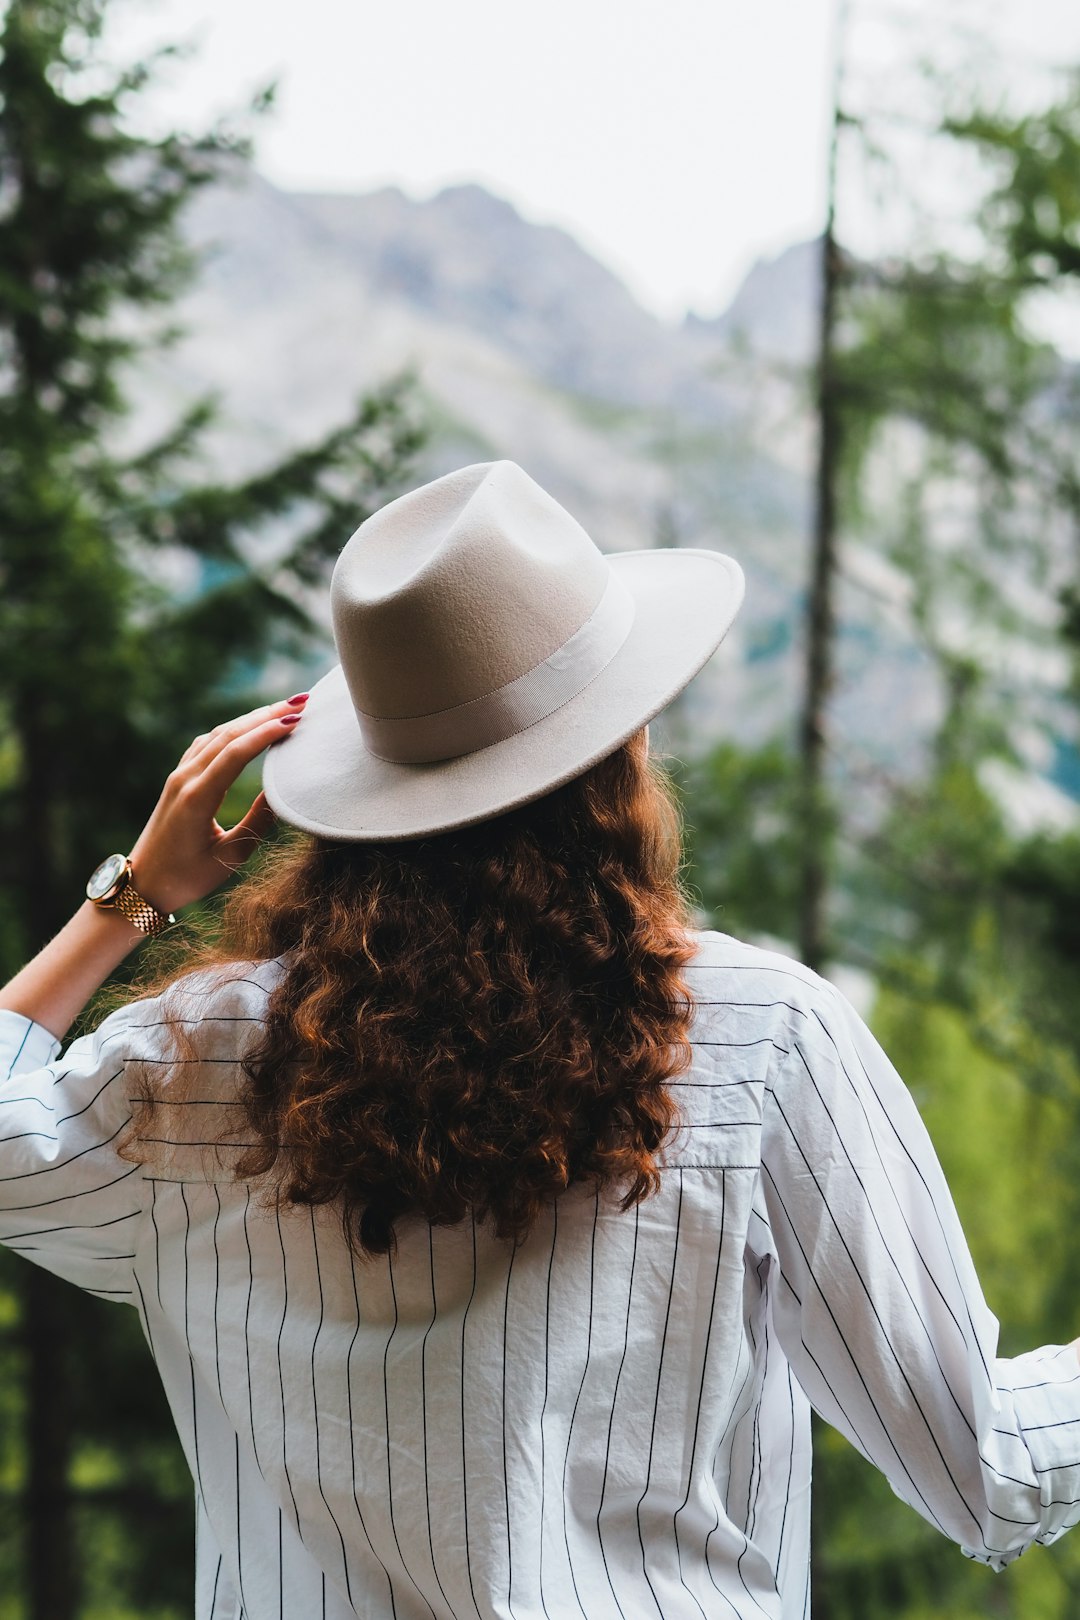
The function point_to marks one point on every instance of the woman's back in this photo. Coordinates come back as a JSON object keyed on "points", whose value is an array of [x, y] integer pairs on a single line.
{"points": [[461, 1427], [464, 1427], [482, 1012], [601, 1421]]}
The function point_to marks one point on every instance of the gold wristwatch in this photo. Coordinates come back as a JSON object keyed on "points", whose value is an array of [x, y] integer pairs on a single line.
{"points": [[111, 888]]}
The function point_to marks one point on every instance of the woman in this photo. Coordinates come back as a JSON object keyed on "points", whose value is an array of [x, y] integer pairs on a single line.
{"points": [[492, 1229]]}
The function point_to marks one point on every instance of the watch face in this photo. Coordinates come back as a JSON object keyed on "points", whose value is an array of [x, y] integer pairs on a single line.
{"points": [[105, 877]]}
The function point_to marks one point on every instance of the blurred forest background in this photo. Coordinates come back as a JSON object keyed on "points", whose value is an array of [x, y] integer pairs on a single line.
{"points": [[206, 383]]}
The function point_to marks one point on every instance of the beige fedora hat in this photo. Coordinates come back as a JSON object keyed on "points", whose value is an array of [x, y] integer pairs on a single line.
{"points": [[489, 651]]}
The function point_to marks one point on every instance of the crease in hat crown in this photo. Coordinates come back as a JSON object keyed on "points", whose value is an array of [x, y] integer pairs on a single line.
{"points": [[469, 609]]}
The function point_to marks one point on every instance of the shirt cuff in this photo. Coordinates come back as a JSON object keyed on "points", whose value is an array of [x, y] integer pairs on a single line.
{"points": [[24, 1045], [1045, 1389]]}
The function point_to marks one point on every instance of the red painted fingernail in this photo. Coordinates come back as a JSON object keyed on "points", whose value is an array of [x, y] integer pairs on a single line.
{"points": [[291, 719], [301, 697]]}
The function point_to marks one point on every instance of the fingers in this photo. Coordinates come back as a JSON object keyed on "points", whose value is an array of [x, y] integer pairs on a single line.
{"points": [[222, 760], [199, 745], [193, 748], [213, 762], [241, 841], [206, 743]]}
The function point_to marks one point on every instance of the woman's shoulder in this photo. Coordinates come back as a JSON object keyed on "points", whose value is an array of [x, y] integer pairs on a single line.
{"points": [[763, 973], [219, 993]]}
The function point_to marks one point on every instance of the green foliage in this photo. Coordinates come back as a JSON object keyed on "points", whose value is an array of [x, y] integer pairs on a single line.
{"points": [[107, 668], [1000, 1145], [1045, 872], [131, 1490], [1030, 214], [742, 826], [86, 537], [939, 345], [954, 422], [948, 405], [972, 953]]}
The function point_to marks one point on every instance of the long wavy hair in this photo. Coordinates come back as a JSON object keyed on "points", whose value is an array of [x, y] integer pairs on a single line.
{"points": [[472, 1021]]}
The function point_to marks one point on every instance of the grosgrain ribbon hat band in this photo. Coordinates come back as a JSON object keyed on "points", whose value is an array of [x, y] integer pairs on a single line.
{"points": [[466, 727]]}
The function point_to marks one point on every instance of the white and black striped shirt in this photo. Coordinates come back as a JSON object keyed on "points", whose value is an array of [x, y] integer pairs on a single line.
{"points": [[611, 1420]]}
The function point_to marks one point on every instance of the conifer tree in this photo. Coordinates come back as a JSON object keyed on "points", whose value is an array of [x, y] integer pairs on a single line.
{"points": [[105, 674], [926, 375], [972, 939]]}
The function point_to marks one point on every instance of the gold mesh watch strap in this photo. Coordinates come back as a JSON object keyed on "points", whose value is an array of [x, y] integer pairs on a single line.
{"points": [[130, 903]]}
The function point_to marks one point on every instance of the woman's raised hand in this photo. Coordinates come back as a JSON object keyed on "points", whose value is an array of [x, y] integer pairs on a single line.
{"points": [[183, 853]]}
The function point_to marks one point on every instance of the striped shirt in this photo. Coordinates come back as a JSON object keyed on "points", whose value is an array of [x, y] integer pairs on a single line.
{"points": [[612, 1419]]}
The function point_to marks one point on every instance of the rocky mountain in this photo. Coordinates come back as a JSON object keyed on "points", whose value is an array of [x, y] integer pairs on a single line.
{"points": [[774, 314], [525, 346], [470, 260]]}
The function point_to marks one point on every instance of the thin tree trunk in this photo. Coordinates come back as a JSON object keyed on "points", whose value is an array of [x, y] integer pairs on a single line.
{"points": [[51, 1575], [820, 617]]}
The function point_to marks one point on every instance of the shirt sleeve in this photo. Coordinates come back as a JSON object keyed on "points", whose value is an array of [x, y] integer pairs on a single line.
{"points": [[68, 1201], [880, 1312]]}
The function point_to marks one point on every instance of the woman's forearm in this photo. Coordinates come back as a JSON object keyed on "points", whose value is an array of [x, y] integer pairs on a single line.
{"points": [[181, 855], [55, 986]]}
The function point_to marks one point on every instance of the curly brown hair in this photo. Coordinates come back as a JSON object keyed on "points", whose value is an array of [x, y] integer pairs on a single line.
{"points": [[471, 1021]]}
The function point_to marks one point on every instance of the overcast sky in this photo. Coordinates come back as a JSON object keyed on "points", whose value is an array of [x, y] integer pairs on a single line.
{"points": [[678, 139]]}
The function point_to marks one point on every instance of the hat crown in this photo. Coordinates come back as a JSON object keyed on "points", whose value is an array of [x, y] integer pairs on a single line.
{"points": [[489, 653], [458, 589]]}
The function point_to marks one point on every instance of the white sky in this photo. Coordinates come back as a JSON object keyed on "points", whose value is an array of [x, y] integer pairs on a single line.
{"points": [[677, 139]]}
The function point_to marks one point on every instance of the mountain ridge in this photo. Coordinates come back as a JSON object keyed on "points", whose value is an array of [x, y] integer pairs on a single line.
{"points": [[525, 346]]}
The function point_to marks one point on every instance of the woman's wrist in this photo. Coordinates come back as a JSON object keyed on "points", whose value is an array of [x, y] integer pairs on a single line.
{"points": [[110, 930], [55, 986], [181, 855]]}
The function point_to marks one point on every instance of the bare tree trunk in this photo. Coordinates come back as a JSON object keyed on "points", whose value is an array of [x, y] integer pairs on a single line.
{"points": [[51, 1579], [43, 908], [820, 616], [51, 1576]]}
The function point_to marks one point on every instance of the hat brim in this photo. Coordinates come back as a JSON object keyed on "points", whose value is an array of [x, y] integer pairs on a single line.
{"points": [[322, 779]]}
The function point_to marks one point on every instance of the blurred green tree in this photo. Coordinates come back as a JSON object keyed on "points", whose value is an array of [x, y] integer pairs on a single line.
{"points": [[744, 835], [106, 670], [948, 448], [940, 428]]}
